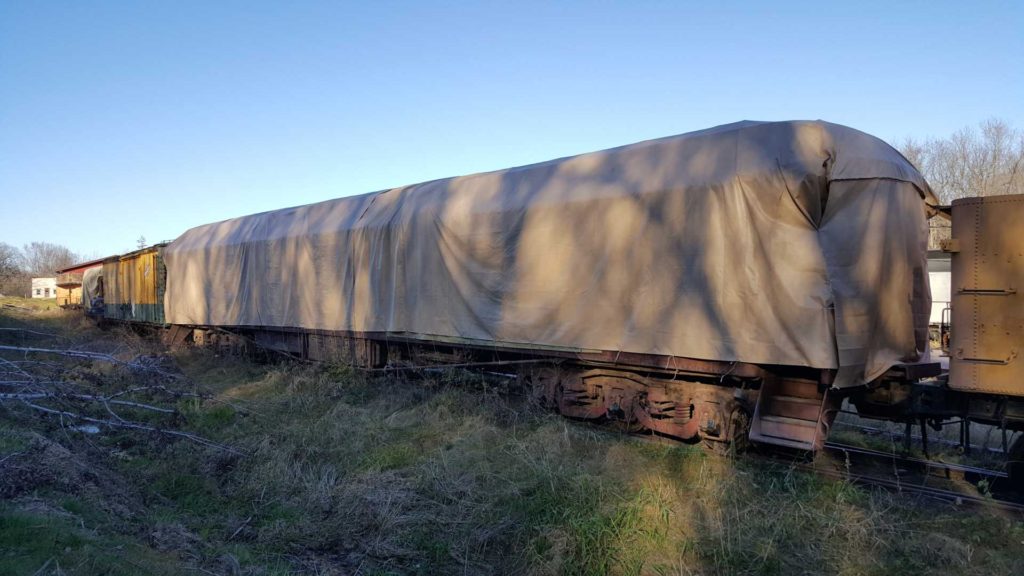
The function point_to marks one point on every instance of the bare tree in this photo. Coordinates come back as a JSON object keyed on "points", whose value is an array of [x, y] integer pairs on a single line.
{"points": [[43, 258], [13, 280], [140, 242], [916, 152], [10, 262], [983, 161]]}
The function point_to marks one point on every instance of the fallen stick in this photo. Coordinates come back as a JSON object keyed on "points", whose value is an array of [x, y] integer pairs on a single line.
{"points": [[164, 389], [133, 426], [239, 529], [9, 456], [91, 398], [27, 331], [90, 356], [72, 353]]}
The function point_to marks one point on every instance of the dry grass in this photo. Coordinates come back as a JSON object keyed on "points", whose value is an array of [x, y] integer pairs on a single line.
{"points": [[343, 473]]}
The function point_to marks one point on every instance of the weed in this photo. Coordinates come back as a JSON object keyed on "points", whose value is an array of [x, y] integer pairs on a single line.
{"points": [[205, 417], [49, 544], [12, 441]]}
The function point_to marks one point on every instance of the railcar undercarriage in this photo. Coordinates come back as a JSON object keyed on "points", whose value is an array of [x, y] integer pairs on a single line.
{"points": [[932, 404], [721, 404]]}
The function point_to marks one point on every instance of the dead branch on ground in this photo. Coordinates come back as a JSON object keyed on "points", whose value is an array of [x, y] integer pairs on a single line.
{"points": [[140, 363], [133, 425], [33, 332], [55, 389]]}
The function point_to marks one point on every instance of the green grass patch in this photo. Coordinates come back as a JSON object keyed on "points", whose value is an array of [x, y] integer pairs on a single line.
{"points": [[12, 441], [205, 416], [45, 544], [389, 457]]}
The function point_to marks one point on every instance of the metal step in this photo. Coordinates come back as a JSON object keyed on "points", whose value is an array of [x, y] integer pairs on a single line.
{"points": [[795, 388], [791, 429], [793, 407], [785, 420], [788, 413], [816, 400]]}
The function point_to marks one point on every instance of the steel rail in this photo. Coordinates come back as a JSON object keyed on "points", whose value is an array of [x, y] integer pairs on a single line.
{"points": [[951, 496], [905, 485], [896, 484], [920, 462], [871, 431]]}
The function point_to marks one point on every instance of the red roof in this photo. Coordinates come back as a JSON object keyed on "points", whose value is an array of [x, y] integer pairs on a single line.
{"points": [[81, 267]]}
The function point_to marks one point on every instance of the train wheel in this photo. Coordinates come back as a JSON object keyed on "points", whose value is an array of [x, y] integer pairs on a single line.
{"points": [[740, 430], [738, 439]]}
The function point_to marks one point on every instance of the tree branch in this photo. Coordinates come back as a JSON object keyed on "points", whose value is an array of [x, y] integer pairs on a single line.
{"points": [[135, 365], [27, 331], [134, 426]]}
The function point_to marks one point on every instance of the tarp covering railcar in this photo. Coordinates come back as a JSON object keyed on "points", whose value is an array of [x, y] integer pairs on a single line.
{"points": [[92, 287], [791, 243]]}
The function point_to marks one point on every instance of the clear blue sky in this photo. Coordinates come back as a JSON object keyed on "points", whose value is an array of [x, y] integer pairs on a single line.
{"points": [[120, 119]]}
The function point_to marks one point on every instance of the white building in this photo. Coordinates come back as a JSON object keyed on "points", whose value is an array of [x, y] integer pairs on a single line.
{"points": [[44, 287]]}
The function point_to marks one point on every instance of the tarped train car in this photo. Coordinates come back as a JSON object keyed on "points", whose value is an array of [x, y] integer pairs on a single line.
{"points": [[732, 282], [686, 277]]}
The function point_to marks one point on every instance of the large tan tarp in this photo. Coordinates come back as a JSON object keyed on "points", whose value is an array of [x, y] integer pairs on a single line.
{"points": [[793, 243]]}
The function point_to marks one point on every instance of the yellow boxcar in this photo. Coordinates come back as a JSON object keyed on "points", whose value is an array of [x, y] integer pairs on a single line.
{"points": [[134, 286]]}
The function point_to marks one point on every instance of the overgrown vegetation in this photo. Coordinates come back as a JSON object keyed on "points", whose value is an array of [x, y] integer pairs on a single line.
{"points": [[333, 471]]}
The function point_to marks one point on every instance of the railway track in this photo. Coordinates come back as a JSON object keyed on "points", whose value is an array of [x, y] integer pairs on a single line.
{"points": [[903, 479], [951, 496], [908, 475], [947, 469], [895, 435], [919, 476]]}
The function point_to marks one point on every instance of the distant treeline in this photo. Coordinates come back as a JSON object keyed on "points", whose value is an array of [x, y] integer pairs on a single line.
{"points": [[986, 160], [19, 265]]}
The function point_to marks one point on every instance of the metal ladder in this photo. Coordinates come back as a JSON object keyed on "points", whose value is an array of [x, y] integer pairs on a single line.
{"points": [[791, 413]]}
